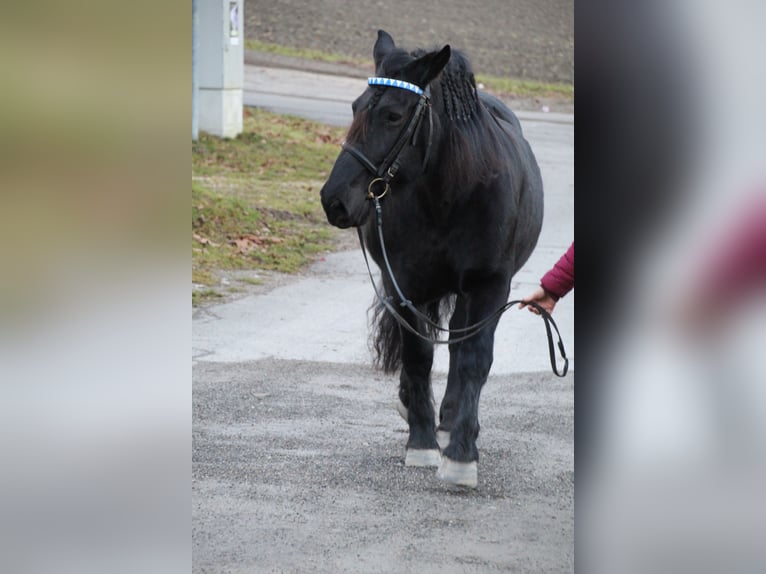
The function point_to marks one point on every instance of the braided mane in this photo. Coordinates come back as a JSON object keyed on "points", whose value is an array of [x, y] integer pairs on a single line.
{"points": [[470, 133], [458, 87]]}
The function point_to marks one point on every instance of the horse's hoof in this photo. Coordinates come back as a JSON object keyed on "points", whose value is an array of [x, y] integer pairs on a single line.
{"points": [[402, 410], [459, 473], [422, 457], [442, 437]]}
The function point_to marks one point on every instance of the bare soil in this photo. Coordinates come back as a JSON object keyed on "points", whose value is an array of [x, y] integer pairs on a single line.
{"points": [[529, 39]]}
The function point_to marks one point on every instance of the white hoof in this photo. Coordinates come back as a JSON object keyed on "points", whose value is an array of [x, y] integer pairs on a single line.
{"points": [[402, 410], [442, 437], [422, 457], [459, 473]]}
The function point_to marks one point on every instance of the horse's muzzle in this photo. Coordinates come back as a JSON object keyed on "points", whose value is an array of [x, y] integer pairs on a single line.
{"points": [[337, 214], [343, 212]]}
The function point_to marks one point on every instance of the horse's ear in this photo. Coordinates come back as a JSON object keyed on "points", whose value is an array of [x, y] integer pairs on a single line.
{"points": [[427, 67], [383, 46]]}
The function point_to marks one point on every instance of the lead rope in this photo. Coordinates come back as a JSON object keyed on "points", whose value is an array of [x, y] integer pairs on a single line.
{"points": [[471, 330]]}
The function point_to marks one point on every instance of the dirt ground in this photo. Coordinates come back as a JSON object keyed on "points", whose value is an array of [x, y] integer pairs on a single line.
{"points": [[530, 39]]}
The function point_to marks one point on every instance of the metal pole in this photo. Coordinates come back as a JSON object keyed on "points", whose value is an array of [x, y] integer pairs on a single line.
{"points": [[195, 71]]}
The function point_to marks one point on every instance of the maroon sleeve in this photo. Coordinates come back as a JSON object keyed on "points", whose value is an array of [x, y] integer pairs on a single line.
{"points": [[560, 280], [739, 265]]}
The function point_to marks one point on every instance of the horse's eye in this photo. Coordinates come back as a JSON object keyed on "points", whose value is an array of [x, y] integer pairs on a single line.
{"points": [[393, 117]]}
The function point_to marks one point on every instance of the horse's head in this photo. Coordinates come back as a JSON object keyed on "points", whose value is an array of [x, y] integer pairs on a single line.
{"points": [[387, 130]]}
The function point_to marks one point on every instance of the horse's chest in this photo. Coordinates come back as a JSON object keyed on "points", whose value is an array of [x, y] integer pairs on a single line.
{"points": [[421, 266]]}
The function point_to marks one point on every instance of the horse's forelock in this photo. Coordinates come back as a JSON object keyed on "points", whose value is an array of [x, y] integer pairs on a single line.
{"points": [[357, 131]]}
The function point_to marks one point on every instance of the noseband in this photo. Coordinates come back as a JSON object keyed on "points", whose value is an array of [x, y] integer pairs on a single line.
{"points": [[386, 170]]}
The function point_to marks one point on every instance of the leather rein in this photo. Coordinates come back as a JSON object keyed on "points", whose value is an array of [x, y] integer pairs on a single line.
{"points": [[383, 174]]}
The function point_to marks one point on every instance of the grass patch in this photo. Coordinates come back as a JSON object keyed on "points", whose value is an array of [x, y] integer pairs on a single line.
{"points": [[205, 295], [525, 88], [316, 55], [255, 198]]}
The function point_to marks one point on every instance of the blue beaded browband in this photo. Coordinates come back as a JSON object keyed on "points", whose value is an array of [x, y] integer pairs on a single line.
{"points": [[394, 84]]}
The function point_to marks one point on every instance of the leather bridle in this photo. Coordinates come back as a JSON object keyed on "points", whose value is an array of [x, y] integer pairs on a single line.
{"points": [[386, 170]]}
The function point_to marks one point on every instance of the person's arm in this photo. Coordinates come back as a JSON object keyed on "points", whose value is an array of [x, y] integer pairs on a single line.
{"points": [[734, 269], [554, 285]]}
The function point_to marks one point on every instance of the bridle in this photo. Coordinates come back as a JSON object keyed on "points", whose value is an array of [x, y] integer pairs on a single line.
{"points": [[384, 173], [386, 170]]}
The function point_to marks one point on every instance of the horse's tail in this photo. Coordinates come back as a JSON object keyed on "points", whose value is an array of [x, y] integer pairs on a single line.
{"points": [[386, 336]]}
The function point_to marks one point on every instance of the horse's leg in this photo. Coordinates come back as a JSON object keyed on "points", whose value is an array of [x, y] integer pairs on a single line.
{"points": [[449, 405], [415, 385], [470, 361]]}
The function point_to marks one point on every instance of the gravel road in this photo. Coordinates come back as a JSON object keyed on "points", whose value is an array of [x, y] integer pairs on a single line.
{"points": [[298, 467], [531, 39]]}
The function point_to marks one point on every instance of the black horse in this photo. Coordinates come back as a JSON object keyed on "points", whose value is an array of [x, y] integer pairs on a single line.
{"points": [[461, 201]]}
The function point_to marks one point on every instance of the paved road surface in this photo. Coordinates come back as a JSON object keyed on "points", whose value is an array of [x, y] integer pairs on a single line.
{"points": [[323, 97], [298, 452]]}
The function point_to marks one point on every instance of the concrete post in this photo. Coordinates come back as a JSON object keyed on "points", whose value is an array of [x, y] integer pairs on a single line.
{"points": [[221, 67]]}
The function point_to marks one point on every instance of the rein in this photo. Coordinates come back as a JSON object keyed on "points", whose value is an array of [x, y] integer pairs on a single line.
{"points": [[464, 332], [384, 173]]}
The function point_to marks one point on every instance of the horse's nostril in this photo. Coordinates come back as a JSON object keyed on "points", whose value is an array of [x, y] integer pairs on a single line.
{"points": [[337, 208], [337, 214]]}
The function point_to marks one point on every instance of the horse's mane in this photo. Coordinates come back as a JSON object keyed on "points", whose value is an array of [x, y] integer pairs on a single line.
{"points": [[471, 152], [457, 87]]}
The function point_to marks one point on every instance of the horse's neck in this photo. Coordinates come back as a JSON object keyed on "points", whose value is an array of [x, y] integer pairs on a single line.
{"points": [[435, 198]]}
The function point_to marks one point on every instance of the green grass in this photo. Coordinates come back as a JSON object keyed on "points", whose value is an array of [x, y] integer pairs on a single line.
{"points": [[525, 88], [255, 198], [306, 54], [512, 87]]}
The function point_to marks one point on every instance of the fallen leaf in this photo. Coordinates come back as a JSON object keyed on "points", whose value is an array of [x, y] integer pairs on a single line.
{"points": [[204, 240]]}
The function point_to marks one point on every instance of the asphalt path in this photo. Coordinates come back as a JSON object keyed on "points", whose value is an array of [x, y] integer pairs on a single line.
{"points": [[325, 97], [297, 449]]}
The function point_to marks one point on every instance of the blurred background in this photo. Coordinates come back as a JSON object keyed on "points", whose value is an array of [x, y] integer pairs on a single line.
{"points": [[94, 313], [95, 400], [669, 410]]}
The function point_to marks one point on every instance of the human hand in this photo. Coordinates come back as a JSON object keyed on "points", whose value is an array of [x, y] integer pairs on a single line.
{"points": [[542, 298]]}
